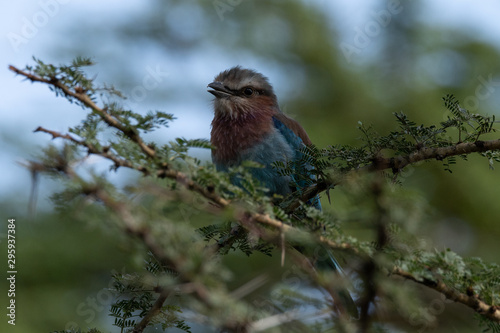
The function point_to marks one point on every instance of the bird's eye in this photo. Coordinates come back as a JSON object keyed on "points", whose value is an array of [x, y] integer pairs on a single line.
{"points": [[248, 91]]}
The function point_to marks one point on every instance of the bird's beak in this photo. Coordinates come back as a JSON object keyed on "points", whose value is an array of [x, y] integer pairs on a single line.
{"points": [[218, 90]]}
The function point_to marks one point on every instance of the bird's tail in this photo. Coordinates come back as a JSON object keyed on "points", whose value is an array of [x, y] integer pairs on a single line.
{"points": [[325, 261], [343, 294]]}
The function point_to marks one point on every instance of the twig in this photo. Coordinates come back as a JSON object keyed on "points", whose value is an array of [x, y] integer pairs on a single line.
{"points": [[91, 149], [155, 309], [191, 185], [399, 162]]}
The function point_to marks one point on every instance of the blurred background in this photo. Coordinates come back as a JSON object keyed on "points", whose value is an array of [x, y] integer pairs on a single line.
{"points": [[332, 64]]}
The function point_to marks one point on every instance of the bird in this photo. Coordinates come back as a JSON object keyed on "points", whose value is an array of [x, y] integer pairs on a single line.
{"points": [[248, 125]]}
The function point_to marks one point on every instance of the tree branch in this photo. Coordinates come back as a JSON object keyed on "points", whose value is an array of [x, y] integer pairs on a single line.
{"points": [[439, 153], [267, 220], [91, 149], [191, 185], [396, 164], [491, 312], [87, 101], [166, 172]]}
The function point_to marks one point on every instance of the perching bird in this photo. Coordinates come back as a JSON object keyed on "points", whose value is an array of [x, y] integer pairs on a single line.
{"points": [[249, 125]]}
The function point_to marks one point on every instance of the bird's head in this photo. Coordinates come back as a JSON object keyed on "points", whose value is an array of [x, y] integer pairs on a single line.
{"points": [[242, 92]]}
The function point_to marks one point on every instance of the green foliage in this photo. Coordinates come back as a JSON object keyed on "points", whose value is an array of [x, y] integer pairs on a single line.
{"points": [[135, 297], [470, 126], [181, 225], [228, 236], [68, 75], [147, 123], [492, 156], [180, 147], [484, 279], [491, 327], [460, 126]]}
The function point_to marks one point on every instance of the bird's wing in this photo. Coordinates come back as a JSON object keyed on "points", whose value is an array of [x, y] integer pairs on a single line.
{"points": [[297, 137], [291, 130]]}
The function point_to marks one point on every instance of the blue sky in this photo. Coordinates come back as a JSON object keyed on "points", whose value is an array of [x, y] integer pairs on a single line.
{"points": [[26, 106]]}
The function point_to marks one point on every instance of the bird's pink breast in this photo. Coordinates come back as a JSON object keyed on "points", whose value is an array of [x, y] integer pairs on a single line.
{"points": [[232, 136]]}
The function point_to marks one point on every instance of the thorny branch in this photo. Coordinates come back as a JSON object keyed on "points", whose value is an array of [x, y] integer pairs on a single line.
{"points": [[91, 149], [491, 312], [87, 101], [396, 164]]}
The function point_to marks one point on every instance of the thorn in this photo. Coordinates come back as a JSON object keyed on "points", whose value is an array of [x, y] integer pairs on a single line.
{"points": [[328, 196]]}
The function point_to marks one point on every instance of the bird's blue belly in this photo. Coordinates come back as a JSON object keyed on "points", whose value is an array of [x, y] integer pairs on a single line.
{"points": [[271, 148]]}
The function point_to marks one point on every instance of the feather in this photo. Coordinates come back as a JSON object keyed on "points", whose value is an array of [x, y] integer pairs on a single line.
{"points": [[289, 124], [232, 136]]}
